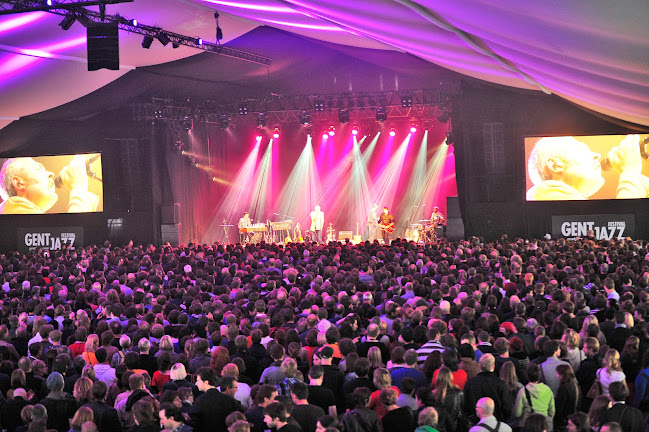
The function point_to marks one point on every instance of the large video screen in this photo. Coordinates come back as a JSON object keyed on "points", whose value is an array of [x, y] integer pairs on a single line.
{"points": [[51, 184], [587, 167]]}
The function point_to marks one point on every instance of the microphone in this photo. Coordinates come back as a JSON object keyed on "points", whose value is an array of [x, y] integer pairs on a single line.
{"points": [[58, 180], [606, 163]]}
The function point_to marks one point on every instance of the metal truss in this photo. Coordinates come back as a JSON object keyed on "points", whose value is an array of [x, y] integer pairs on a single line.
{"points": [[85, 16], [362, 107], [20, 6]]}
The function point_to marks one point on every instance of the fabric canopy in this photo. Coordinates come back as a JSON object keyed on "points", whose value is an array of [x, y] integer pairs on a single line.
{"points": [[594, 53]]}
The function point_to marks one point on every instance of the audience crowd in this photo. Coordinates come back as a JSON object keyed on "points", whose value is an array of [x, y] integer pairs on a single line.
{"points": [[523, 335]]}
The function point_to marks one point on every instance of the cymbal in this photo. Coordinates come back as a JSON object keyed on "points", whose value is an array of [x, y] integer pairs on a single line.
{"points": [[225, 225], [424, 220]]}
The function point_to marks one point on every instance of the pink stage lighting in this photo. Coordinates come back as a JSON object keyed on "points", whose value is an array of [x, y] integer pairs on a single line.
{"points": [[325, 136], [332, 131], [413, 129], [393, 132], [258, 137], [276, 134], [355, 130]]}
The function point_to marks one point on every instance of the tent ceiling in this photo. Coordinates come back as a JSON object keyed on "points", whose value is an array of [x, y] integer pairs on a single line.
{"points": [[594, 53]]}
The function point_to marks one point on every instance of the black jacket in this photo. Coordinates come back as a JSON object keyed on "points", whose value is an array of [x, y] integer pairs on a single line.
{"points": [[360, 420], [210, 410], [106, 417], [487, 384], [60, 409], [628, 417]]}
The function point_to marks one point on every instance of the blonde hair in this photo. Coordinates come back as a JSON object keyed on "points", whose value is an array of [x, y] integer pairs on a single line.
{"points": [[374, 356], [92, 343], [628, 320], [571, 339], [382, 379], [83, 414], [166, 343], [289, 367], [612, 361], [82, 389], [178, 372]]}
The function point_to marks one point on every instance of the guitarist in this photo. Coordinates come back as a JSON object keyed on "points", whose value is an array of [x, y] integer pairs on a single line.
{"points": [[317, 222], [386, 223]]}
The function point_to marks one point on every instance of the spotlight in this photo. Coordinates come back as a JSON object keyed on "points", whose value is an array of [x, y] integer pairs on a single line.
{"points": [[188, 123], [276, 133], [381, 113], [163, 38], [450, 138], [224, 121], [243, 110], [325, 136], [318, 105], [132, 22], [332, 131], [393, 132], [67, 22], [413, 128], [258, 138], [406, 101], [157, 113], [199, 41], [343, 116], [261, 119], [214, 179], [355, 130], [179, 147], [146, 42], [305, 118]]}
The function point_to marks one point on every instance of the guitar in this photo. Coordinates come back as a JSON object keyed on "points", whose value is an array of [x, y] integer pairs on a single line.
{"points": [[297, 233], [388, 228], [357, 238]]}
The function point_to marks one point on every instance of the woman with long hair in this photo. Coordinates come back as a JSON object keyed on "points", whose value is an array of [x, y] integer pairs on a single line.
{"points": [[600, 404], [220, 357], [509, 377], [88, 354], [567, 398], [382, 380], [447, 399], [612, 370], [574, 355], [161, 376], [374, 356], [83, 414], [630, 360], [82, 391], [584, 333], [451, 360]]}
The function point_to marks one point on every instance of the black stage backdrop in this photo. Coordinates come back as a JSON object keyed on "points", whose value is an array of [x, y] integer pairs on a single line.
{"points": [[142, 173]]}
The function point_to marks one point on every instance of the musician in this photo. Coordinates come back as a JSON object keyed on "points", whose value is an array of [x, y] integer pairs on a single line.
{"points": [[372, 226], [244, 222], [436, 218], [386, 223], [317, 222]]}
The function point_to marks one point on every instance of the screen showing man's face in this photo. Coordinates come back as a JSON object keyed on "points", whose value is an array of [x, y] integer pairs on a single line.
{"points": [[38, 184], [582, 169]]}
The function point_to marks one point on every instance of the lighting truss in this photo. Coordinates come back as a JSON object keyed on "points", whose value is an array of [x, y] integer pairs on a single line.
{"points": [[20, 6], [67, 7]]}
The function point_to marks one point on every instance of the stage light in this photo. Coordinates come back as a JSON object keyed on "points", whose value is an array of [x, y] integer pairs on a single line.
{"points": [[318, 105], [325, 136], [444, 117], [413, 128], [406, 101], [179, 147], [305, 118], [450, 138], [343, 116], [261, 120], [259, 137], [188, 124], [157, 114], [67, 22], [381, 113], [224, 121], [132, 22], [355, 130], [276, 133], [214, 179], [163, 38], [146, 42], [243, 109], [199, 41], [332, 131], [393, 132]]}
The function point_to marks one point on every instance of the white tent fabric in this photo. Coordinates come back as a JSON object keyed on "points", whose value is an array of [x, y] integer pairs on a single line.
{"points": [[595, 53]]}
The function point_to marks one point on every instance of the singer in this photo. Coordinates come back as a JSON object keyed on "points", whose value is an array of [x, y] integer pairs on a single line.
{"points": [[28, 188]]}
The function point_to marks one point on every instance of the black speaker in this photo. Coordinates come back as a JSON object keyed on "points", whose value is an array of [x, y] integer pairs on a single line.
{"points": [[170, 233], [103, 46], [454, 229], [170, 213], [453, 207]]}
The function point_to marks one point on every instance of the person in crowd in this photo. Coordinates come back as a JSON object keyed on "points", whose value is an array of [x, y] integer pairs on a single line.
{"points": [[535, 397], [488, 385], [211, 407], [361, 417], [484, 409], [172, 419], [303, 412], [382, 380], [448, 399], [629, 418], [600, 404], [276, 418], [396, 419], [611, 371]]}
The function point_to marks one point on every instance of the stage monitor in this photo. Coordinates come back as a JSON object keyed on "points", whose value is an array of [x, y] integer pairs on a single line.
{"points": [[586, 167], [52, 184]]}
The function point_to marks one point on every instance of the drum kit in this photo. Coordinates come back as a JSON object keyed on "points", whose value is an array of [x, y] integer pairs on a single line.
{"points": [[421, 232]]}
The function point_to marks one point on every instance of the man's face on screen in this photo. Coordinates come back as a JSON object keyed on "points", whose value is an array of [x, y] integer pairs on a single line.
{"points": [[37, 184], [582, 169]]}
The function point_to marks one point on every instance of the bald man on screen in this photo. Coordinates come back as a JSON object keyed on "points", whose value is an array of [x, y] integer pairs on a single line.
{"points": [[28, 188]]}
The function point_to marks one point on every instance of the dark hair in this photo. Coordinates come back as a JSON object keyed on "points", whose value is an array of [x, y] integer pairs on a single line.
{"points": [[316, 372], [619, 391], [172, 412], [449, 357], [408, 385], [580, 420], [360, 397], [99, 390], [533, 373], [300, 390], [101, 354], [276, 410], [227, 382], [535, 423], [208, 374], [265, 392]]}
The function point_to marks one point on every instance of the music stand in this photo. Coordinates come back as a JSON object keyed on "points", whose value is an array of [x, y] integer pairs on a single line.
{"points": [[225, 230]]}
